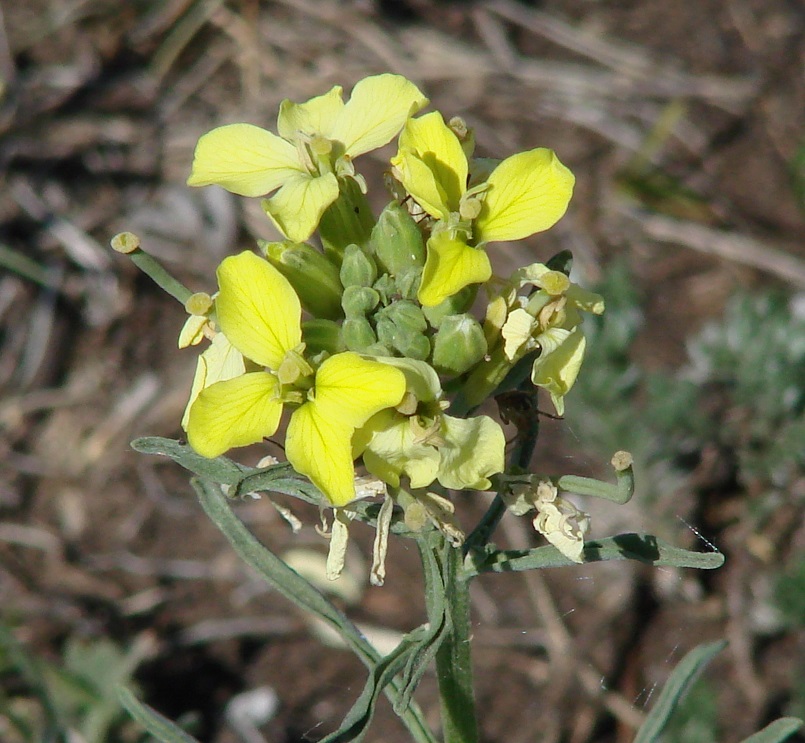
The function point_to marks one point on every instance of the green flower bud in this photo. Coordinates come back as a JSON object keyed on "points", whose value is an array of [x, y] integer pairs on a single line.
{"points": [[359, 301], [377, 349], [322, 335], [386, 288], [397, 241], [405, 337], [357, 268], [348, 220], [413, 345], [459, 345], [358, 334], [455, 305], [408, 282], [386, 331], [406, 314], [312, 275]]}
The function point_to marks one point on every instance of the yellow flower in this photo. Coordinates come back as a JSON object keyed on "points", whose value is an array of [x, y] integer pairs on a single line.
{"points": [[525, 194], [260, 315], [316, 144]]}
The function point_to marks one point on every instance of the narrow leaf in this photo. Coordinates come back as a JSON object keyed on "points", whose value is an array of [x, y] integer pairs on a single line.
{"points": [[678, 683], [297, 590], [776, 731], [220, 469], [641, 547], [160, 727]]}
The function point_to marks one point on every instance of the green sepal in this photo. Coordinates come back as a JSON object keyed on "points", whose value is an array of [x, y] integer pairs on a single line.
{"points": [[397, 241], [348, 220], [405, 314], [314, 277], [458, 345], [357, 268], [458, 304], [359, 301], [358, 334], [322, 335]]}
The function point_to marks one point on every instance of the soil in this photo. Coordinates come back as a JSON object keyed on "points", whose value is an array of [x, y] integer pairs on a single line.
{"points": [[101, 104]]}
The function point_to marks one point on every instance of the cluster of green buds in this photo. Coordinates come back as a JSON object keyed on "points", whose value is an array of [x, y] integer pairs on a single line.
{"points": [[367, 331]]}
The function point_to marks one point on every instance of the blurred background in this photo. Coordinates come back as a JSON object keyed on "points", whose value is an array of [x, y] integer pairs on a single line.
{"points": [[684, 124]]}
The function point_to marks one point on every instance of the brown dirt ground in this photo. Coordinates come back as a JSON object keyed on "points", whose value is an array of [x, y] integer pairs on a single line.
{"points": [[100, 108]]}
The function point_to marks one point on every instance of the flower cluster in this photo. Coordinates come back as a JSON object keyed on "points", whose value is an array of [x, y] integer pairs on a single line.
{"points": [[367, 338]]}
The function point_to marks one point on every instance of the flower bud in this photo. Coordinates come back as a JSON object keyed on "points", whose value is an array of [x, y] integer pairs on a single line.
{"points": [[347, 220], [459, 345], [359, 301], [322, 335], [312, 275], [455, 305], [358, 334], [357, 268], [408, 282], [406, 314], [397, 241]]}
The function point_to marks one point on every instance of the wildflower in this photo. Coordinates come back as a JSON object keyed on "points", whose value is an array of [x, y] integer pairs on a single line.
{"points": [[260, 315], [416, 439], [314, 148], [524, 194]]}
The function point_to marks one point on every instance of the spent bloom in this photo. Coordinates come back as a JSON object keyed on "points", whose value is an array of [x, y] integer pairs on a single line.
{"points": [[312, 152]]}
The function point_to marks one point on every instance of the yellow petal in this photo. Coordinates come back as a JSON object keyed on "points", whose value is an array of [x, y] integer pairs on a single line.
{"points": [[557, 370], [315, 116], [528, 193], [236, 412], [219, 362], [474, 449], [376, 111], [440, 150], [420, 181], [351, 389], [258, 309], [450, 266], [319, 446], [243, 159], [297, 207]]}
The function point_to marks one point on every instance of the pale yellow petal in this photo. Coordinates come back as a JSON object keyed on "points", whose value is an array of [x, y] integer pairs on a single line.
{"points": [[297, 207], [420, 181], [236, 412], [450, 266], [315, 116], [528, 193], [351, 389], [243, 159], [556, 371], [440, 150], [319, 446], [474, 449], [219, 362], [258, 309], [376, 111]]}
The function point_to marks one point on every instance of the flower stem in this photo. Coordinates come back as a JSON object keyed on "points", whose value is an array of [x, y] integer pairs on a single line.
{"points": [[453, 658]]}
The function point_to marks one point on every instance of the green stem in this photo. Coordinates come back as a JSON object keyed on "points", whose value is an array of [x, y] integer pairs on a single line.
{"points": [[453, 658], [159, 275]]}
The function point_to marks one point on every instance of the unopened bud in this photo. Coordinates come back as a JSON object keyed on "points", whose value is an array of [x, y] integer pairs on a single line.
{"points": [[359, 301], [455, 305], [357, 268], [358, 334], [322, 335], [459, 345], [312, 275], [397, 241]]}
